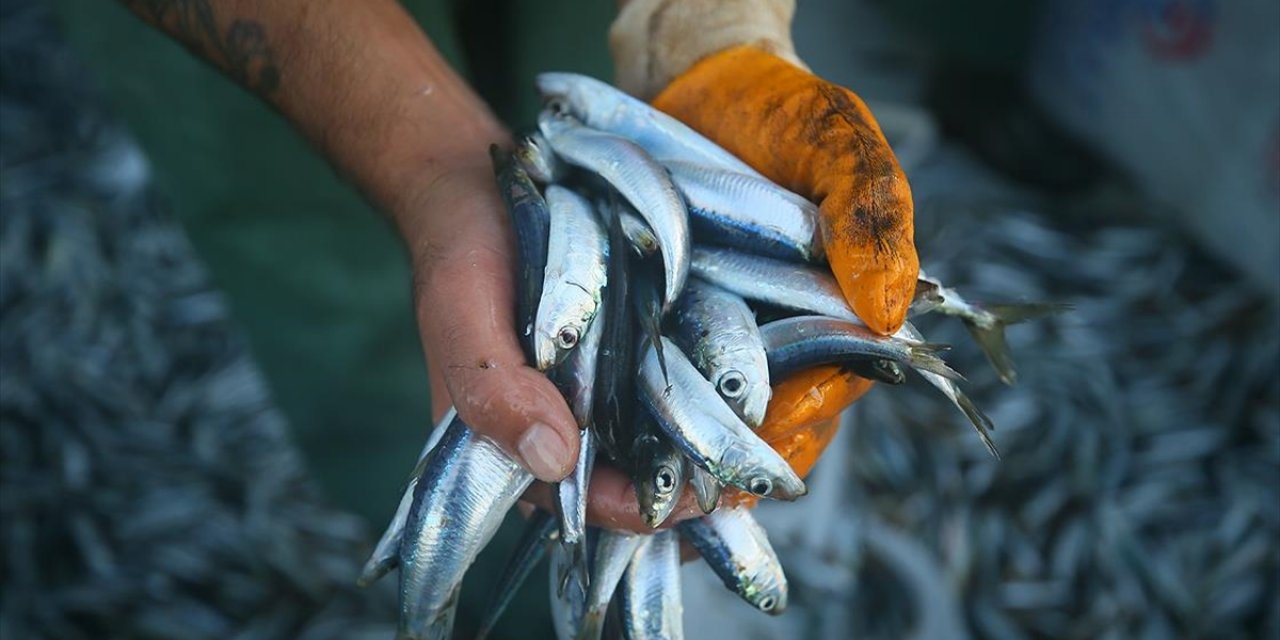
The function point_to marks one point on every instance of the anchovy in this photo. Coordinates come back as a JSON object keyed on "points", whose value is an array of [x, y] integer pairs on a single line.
{"points": [[649, 595], [657, 470], [532, 223], [718, 331], [948, 387], [878, 369], [647, 298], [574, 278], [614, 551], [577, 380], [985, 322], [469, 483], [747, 212], [737, 549], [571, 505], [614, 402], [567, 604], [793, 344], [709, 432], [640, 180], [537, 159], [603, 107], [706, 489], [776, 282], [538, 532], [385, 556]]}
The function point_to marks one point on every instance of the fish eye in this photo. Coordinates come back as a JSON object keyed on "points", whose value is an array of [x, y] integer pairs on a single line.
{"points": [[761, 486], [767, 603], [567, 338], [664, 481], [732, 384]]}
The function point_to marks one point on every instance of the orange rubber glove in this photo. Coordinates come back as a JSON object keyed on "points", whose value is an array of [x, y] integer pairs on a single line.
{"points": [[727, 68]]}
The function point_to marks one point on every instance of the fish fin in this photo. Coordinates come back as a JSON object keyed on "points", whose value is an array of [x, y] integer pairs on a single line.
{"points": [[981, 422], [924, 356], [926, 298], [375, 568], [988, 332], [706, 489]]}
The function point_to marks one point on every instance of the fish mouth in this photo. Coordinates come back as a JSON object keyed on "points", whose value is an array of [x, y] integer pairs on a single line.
{"points": [[755, 406]]}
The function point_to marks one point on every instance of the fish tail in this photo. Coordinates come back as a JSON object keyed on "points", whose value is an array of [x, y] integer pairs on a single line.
{"points": [[981, 422], [989, 332], [375, 568], [924, 356]]}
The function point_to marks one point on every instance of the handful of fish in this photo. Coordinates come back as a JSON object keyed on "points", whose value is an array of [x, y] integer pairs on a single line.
{"points": [[681, 302]]}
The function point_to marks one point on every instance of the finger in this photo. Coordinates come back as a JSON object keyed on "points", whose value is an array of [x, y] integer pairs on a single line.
{"points": [[464, 297], [611, 502]]}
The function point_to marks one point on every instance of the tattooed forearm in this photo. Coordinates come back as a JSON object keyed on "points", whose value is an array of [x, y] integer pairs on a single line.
{"points": [[240, 48]]}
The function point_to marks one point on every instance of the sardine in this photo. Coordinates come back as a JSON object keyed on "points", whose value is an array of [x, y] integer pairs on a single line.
{"points": [[603, 107], [747, 212], [532, 223], [948, 387], [386, 554], [538, 533], [737, 549], [777, 282], [639, 179], [793, 344], [537, 159], [649, 595], [614, 551], [574, 277], [709, 432], [657, 470], [569, 603], [469, 483], [706, 489], [718, 331], [986, 322]]}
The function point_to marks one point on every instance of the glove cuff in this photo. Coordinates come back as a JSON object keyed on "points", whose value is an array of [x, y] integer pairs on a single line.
{"points": [[653, 41]]}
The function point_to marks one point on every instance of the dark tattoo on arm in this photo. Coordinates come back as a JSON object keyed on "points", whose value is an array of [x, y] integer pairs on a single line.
{"points": [[241, 50]]}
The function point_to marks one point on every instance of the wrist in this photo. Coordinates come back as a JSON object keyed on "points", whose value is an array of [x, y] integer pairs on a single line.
{"points": [[654, 41]]}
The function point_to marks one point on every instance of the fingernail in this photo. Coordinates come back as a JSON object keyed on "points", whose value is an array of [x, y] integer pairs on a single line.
{"points": [[541, 448]]}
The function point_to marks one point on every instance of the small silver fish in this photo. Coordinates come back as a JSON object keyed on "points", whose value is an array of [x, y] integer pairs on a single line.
{"points": [[691, 411], [614, 551], [948, 387], [718, 331], [706, 489], [603, 107], [802, 342], [535, 155], [638, 233], [574, 277], [649, 595], [658, 471], [386, 554], [747, 212], [568, 603], [782, 284], [737, 549], [639, 179], [469, 483], [985, 322]]}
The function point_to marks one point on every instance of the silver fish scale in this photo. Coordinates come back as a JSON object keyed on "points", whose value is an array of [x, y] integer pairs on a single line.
{"points": [[737, 549], [753, 212], [651, 606], [776, 282], [718, 331], [472, 486]]}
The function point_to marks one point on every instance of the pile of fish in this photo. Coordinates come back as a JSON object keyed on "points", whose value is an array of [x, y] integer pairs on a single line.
{"points": [[664, 286]]}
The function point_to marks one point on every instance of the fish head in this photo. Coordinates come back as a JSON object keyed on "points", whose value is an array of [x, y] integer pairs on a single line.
{"points": [[535, 155], [659, 478], [762, 474], [564, 316], [769, 591], [748, 397]]}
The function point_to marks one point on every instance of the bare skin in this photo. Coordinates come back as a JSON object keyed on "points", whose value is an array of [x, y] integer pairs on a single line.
{"points": [[368, 89]]}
